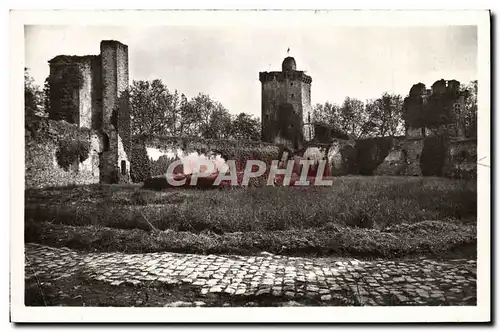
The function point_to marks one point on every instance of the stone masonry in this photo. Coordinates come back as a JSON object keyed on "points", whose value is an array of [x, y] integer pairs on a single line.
{"points": [[103, 104], [286, 99]]}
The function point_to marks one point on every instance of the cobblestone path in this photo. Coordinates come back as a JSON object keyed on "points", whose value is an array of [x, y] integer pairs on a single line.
{"points": [[413, 282]]}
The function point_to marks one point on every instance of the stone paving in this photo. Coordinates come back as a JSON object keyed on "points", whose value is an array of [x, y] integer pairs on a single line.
{"points": [[412, 282]]}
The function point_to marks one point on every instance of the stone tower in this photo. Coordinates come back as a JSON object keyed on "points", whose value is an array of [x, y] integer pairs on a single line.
{"points": [[115, 160], [286, 101], [92, 92]]}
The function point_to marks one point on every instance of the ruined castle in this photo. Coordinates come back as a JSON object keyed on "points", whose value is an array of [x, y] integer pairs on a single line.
{"points": [[90, 93], [99, 86]]}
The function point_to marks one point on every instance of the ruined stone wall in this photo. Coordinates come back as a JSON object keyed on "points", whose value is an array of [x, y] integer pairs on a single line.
{"points": [[306, 102], [338, 152], [65, 108], [403, 157], [96, 95], [460, 159], [115, 112], [123, 110], [109, 81], [85, 93], [42, 168], [75, 89], [109, 155], [463, 158], [428, 110]]}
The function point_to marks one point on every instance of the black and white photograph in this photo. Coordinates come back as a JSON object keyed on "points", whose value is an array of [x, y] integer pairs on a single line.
{"points": [[251, 166]]}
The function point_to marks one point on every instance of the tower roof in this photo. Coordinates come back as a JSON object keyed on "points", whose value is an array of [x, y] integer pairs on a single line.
{"points": [[289, 64]]}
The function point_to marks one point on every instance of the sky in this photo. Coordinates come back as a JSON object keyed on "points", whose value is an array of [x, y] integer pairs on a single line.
{"points": [[225, 61]]}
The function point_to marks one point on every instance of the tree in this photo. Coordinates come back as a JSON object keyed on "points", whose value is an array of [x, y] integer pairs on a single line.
{"points": [[353, 119], [219, 123], [33, 98], [157, 111], [202, 107], [188, 117], [244, 126], [469, 119], [385, 116], [326, 113], [154, 109]]}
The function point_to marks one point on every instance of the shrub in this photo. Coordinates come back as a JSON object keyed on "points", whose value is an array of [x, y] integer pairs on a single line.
{"points": [[140, 167], [71, 150]]}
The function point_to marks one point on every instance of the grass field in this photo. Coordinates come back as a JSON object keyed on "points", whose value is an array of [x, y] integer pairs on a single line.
{"points": [[359, 216]]}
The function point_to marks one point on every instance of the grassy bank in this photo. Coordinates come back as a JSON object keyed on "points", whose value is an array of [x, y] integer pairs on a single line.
{"points": [[362, 216]]}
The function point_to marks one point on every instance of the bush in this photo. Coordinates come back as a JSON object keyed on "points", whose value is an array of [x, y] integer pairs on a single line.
{"points": [[72, 150], [140, 167]]}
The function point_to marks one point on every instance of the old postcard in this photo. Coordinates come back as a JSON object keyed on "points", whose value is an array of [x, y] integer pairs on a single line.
{"points": [[250, 166]]}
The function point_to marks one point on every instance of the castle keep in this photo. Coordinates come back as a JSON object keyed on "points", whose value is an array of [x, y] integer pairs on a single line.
{"points": [[98, 85], [286, 99]]}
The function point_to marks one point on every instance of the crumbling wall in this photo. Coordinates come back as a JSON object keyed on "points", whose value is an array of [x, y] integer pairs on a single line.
{"points": [[96, 95], [115, 112], [85, 94], [463, 159], [396, 161], [74, 91], [65, 81], [339, 153], [42, 168], [371, 152], [403, 158]]}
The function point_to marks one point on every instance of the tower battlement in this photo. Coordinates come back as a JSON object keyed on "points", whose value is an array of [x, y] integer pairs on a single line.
{"points": [[280, 76]]}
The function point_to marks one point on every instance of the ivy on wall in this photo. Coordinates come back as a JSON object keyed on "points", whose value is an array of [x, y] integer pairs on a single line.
{"points": [[370, 153], [50, 153], [72, 150], [62, 91], [434, 154]]}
